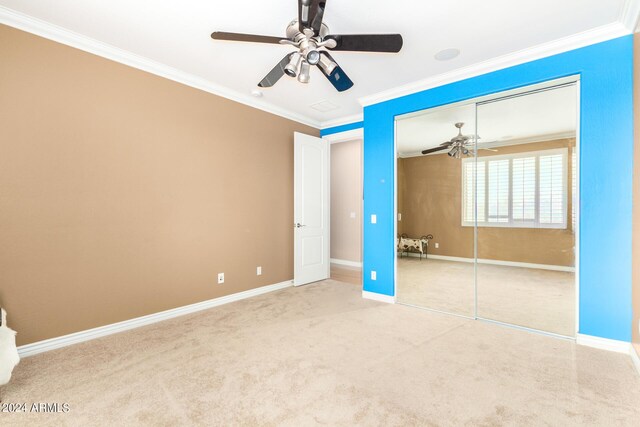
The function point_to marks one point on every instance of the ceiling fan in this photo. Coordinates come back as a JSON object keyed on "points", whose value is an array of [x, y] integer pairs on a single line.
{"points": [[458, 145], [311, 38]]}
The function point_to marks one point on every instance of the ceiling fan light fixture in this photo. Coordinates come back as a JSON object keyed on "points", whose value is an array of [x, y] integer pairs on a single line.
{"points": [[303, 76], [291, 69], [327, 65], [455, 152], [313, 57]]}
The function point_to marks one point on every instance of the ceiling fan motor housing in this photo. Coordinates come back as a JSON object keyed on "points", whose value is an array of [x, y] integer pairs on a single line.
{"points": [[293, 30], [307, 43]]}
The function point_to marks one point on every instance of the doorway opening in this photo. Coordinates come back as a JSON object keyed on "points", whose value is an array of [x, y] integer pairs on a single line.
{"points": [[346, 187], [487, 208]]}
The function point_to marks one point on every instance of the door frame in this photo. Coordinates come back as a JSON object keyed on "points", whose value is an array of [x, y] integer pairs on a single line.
{"points": [[348, 136], [491, 97]]}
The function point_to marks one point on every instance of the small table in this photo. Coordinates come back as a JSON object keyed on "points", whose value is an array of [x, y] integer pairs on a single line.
{"points": [[409, 244]]}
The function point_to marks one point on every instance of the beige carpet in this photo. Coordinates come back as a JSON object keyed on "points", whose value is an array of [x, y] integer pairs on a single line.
{"points": [[346, 274], [321, 355], [538, 299]]}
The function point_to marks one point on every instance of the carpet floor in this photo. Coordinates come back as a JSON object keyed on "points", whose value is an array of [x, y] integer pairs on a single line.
{"points": [[322, 355], [534, 298]]}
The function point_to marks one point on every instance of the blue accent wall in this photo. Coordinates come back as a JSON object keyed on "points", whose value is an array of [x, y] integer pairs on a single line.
{"points": [[606, 138], [341, 128]]}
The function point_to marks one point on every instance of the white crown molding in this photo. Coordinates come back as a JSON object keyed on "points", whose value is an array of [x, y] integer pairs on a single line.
{"points": [[102, 331], [630, 15], [341, 121], [378, 297], [593, 36], [604, 343], [61, 35], [345, 136]]}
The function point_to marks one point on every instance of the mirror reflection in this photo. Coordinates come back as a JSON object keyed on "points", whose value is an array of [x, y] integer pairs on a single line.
{"points": [[429, 205], [526, 216], [486, 223]]}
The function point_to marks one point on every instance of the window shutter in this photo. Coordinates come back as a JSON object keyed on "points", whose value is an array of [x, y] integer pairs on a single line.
{"points": [[551, 171], [519, 190], [473, 182], [524, 189], [498, 191], [481, 188]]}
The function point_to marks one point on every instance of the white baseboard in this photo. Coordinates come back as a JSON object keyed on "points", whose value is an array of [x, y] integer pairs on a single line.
{"points": [[346, 263], [101, 331], [378, 297], [498, 262], [604, 343], [635, 357]]}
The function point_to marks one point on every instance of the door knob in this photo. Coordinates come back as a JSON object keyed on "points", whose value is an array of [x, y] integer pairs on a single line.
{"points": [[298, 225]]}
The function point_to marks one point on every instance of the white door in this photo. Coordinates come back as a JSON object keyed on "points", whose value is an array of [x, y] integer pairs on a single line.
{"points": [[311, 209]]}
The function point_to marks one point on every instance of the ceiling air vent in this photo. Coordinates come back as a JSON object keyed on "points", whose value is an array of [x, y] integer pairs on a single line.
{"points": [[324, 106]]}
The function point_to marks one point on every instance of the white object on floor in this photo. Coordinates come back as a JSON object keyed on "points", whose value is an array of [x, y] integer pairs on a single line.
{"points": [[8, 352]]}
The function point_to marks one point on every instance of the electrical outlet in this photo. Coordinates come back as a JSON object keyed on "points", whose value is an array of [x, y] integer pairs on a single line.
{"points": [[437, 245], [374, 276], [352, 215], [259, 271], [220, 278], [399, 217]]}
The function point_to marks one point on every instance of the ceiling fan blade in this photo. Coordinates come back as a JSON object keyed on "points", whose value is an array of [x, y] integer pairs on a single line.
{"points": [[433, 150], [310, 14], [337, 77], [303, 14], [275, 74], [316, 16], [446, 144], [237, 37], [367, 42]]}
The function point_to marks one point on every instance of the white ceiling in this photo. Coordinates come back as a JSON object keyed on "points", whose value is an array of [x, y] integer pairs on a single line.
{"points": [[177, 34], [533, 117]]}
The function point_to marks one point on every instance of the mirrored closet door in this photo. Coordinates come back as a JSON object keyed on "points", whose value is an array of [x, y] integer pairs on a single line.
{"points": [[435, 253], [487, 209], [526, 216]]}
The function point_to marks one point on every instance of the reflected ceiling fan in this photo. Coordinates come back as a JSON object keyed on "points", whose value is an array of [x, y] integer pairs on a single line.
{"points": [[312, 39], [458, 146]]}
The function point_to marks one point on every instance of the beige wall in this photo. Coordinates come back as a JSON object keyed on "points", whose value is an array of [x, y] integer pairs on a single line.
{"points": [[124, 194], [346, 198], [636, 196], [431, 192]]}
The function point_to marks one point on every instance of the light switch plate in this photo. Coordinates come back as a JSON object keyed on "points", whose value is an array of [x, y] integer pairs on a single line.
{"points": [[352, 215], [259, 271], [220, 278], [374, 218]]}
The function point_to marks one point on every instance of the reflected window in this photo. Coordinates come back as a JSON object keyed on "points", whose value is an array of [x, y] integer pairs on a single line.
{"points": [[523, 190]]}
